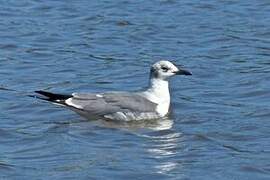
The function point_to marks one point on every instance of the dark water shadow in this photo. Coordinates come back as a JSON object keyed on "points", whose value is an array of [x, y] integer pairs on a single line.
{"points": [[141, 125], [6, 166]]}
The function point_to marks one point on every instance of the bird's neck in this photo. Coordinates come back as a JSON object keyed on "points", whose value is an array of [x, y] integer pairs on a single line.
{"points": [[158, 91], [159, 87]]}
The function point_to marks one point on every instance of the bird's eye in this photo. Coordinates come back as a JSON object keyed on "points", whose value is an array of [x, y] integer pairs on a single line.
{"points": [[165, 69]]}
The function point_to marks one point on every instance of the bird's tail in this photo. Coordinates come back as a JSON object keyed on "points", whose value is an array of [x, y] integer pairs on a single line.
{"points": [[48, 96]]}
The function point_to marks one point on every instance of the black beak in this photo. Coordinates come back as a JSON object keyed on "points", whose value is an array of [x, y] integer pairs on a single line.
{"points": [[183, 72]]}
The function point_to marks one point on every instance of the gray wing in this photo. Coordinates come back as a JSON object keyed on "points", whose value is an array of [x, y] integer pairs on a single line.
{"points": [[108, 104]]}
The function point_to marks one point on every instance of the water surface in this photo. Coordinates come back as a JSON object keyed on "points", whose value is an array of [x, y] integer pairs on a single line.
{"points": [[219, 126]]}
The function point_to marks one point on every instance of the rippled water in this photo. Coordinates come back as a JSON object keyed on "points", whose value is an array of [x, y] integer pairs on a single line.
{"points": [[219, 126]]}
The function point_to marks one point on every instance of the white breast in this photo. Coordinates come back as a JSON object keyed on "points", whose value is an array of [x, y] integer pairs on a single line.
{"points": [[163, 103], [159, 94], [163, 108]]}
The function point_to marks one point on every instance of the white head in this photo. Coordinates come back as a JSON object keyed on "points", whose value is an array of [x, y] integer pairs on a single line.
{"points": [[165, 69]]}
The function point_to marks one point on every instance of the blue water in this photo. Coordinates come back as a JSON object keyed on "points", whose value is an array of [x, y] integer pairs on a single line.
{"points": [[219, 125]]}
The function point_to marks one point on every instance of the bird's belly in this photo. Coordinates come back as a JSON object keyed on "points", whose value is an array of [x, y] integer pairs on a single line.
{"points": [[132, 116]]}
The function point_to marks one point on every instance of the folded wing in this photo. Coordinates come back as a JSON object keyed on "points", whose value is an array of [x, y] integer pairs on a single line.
{"points": [[123, 106]]}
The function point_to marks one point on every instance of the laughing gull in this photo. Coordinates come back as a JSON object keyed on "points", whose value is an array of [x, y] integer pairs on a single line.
{"points": [[152, 103]]}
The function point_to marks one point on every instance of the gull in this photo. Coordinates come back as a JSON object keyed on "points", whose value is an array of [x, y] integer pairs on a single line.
{"points": [[152, 103]]}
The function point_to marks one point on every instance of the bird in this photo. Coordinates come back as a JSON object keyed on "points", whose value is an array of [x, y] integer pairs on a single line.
{"points": [[152, 103]]}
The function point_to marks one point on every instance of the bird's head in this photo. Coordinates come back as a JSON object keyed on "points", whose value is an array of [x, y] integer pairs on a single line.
{"points": [[164, 69]]}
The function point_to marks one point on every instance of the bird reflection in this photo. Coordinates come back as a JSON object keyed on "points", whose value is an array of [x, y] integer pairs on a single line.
{"points": [[155, 124], [163, 143], [163, 148]]}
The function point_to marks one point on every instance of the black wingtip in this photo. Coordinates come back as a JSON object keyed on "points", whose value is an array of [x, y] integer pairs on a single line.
{"points": [[44, 93], [52, 96]]}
